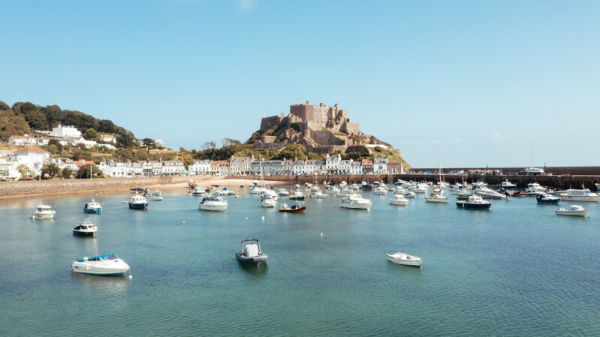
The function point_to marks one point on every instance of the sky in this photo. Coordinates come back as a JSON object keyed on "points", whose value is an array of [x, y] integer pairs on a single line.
{"points": [[450, 83]]}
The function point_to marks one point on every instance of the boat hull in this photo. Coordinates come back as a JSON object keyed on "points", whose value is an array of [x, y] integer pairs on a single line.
{"points": [[83, 268], [364, 207], [92, 210], [138, 206], [213, 208], [299, 210], [399, 203], [579, 198], [86, 233], [472, 205], [410, 263], [43, 216], [571, 213], [251, 260], [437, 200]]}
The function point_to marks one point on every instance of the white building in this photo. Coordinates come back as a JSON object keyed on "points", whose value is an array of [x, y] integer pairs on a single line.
{"points": [[240, 165], [201, 167], [380, 165], [31, 156], [107, 138], [65, 132]]}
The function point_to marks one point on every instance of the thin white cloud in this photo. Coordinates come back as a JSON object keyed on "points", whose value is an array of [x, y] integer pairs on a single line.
{"points": [[248, 5], [499, 137]]}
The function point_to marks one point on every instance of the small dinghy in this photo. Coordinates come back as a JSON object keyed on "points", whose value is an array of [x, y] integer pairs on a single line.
{"points": [[293, 209], [405, 259], [574, 210], [86, 228], [157, 196], [250, 252], [108, 264]]}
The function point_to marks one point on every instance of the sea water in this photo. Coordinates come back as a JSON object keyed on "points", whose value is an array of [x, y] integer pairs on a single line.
{"points": [[515, 270]]}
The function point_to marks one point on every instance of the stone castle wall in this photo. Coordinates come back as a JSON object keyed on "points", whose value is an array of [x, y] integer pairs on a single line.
{"points": [[268, 122]]}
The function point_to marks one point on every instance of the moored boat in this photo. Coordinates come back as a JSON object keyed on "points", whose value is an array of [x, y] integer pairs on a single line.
{"points": [[579, 195], [398, 200], [92, 207], [285, 208], [405, 259], [251, 252], [157, 196], [355, 201], [213, 203], [85, 228], [138, 202], [436, 196], [298, 195], [43, 212], [199, 192], [574, 210], [267, 201], [474, 202], [108, 264], [545, 198]]}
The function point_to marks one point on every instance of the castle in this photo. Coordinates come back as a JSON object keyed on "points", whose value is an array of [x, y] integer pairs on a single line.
{"points": [[320, 128]]}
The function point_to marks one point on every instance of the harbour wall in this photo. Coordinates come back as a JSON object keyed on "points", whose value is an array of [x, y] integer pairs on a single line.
{"points": [[57, 186], [554, 181]]}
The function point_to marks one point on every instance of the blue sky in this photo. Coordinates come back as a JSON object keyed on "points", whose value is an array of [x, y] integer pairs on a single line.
{"points": [[477, 82]]}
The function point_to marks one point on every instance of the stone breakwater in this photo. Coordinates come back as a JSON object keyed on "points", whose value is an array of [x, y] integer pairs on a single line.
{"points": [[57, 186]]}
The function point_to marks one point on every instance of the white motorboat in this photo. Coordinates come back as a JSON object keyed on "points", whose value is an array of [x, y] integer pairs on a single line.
{"points": [[574, 210], [405, 259], [257, 190], [487, 193], [436, 196], [355, 201], [334, 190], [43, 212], [579, 195], [317, 194], [534, 188], [507, 184], [157, 196], [380, 190], [534, 171], [454, 189], [92, 207], [474, 202], [398, 200], [85, 228], [398, 190], [420, 188], [298, 195], [410, 194], [345, 192], [267, 201], [354, 187], [108, 264], [271, 193], [213, 203], [138, 202], [199, 192], [283, 192], [251, 252]]}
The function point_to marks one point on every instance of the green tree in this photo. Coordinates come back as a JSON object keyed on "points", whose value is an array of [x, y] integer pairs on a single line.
{"points": [[23, 170], [66, 173], [86, 171], [125, 140], [56, 143], [90, 134], [51, 170]]}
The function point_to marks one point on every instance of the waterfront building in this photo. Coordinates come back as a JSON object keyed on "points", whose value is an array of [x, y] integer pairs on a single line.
{"points": [[31, 156], [380, 165], [65, 132], [220, 167], [200, 167], [240, 165]]}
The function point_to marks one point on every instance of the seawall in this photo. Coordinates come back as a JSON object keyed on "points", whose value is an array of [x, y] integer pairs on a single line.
{"points": [[558, 182]]}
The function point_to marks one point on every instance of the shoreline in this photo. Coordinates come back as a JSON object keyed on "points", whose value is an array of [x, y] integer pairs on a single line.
{"points": [[66, 187]]}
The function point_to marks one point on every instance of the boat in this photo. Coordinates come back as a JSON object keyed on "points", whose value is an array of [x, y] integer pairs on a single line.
{"points": [[250, 252], [213, 203], [157, 196], [487, 193], [85, 228], [43, 212], [574, 210], [257, 190], [410, 194], [355, 201], [534, 188], [366, 186], [92, 207], [285, 208], [405, 259], [399, 190], [455, 189], [192, 184], [146, 192], [507, 184], [545, 198], [354, 187], [283, 192], [474, 202], [267, 201], [380, 190], [420, 188], [398, 200], [199, 192], [519, 194], [534, 171], [271, 193], [138, 202], [108, 264], [436, 196], [317, 194], [225, 192], [298, 195], [137, 190], [579, 195]]}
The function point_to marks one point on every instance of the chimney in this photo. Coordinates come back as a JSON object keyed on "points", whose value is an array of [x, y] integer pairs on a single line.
{"points": [[322, 105], [307, 102]]}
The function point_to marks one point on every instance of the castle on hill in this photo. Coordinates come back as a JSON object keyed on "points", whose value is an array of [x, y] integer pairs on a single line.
{"points": [[320, 128]]}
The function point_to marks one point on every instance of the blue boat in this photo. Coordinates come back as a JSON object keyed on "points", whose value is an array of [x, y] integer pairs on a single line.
{"points": [[545, 198], [92, 207]]}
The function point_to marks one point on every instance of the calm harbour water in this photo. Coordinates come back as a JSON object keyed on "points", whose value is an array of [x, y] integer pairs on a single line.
{"points": [[516, 270]]}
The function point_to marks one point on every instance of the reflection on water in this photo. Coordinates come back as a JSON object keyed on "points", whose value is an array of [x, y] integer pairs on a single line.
{"points": [[257, 270], [117, 282]]}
